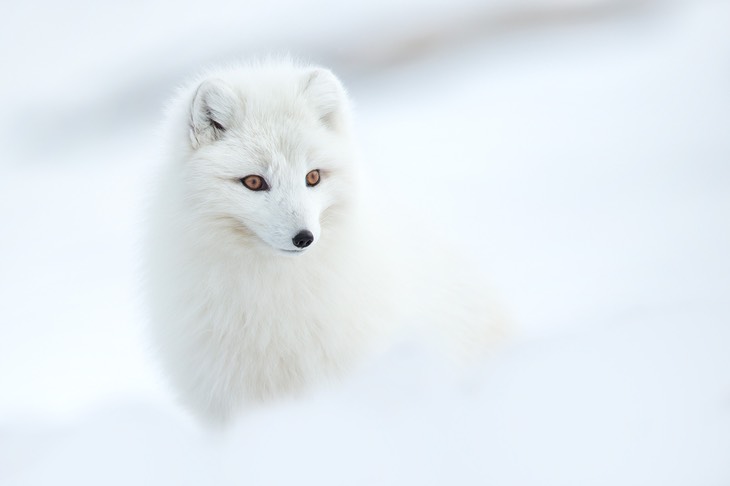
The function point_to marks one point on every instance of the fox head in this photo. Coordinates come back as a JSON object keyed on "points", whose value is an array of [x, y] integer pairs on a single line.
{"points": [[268, 153]]}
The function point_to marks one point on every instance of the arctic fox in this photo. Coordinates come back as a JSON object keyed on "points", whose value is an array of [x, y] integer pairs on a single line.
{"points": [[266, 271]]}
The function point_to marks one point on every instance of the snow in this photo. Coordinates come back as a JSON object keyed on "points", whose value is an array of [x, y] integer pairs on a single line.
{"points": [[583, 165]]}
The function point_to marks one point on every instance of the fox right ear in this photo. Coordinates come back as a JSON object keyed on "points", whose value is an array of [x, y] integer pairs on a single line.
{"points": [[211, 112], [327, 97]]}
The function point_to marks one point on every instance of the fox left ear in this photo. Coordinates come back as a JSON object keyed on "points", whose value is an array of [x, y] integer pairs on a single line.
{"points": [[328, 97], [211, 112]]}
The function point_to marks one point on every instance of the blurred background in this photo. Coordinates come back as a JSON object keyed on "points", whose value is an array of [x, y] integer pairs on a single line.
{"points": [[579, 149]]}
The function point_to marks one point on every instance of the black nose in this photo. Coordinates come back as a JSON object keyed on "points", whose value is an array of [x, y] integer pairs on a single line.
{"points": [[303, 239]]}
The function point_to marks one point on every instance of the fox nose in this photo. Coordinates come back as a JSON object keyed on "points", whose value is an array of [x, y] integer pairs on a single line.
{"points": [[303, 239]]}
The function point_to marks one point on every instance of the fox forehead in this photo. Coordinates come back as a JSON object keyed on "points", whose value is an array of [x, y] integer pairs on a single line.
{"points": [[270, 149], [274, 138]]}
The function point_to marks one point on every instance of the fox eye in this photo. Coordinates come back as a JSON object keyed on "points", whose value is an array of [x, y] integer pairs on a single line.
{"points": [[313, 178], [255, 183]]}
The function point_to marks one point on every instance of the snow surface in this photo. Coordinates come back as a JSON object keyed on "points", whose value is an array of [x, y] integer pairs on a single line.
{"points": [[585, 165]]}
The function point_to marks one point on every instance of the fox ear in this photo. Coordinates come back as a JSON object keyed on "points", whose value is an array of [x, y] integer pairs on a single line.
{"points": [[211, 112], [327, 95]]}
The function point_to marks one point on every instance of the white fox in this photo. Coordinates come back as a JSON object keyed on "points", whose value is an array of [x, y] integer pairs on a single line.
{"points": [[266, 272]]}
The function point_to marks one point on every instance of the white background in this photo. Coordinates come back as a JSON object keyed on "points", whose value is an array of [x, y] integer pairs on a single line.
{"points": [[578, 150]]}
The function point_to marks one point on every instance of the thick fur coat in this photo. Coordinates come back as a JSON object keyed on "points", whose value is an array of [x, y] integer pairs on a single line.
{"points": [[241, 311]]}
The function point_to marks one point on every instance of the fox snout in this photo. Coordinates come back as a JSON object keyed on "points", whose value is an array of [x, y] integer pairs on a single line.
{"points": [[303, 239]]}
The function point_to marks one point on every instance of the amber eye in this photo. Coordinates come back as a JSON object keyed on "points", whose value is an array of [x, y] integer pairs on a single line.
{"points": [[313, 178], [255, 183]]}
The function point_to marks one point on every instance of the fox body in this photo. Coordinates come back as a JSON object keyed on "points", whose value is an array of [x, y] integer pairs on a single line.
{"points": [[266, 272]]}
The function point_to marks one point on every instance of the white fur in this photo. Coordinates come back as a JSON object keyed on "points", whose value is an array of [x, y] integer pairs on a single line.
{"points": [[237, 318]]}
